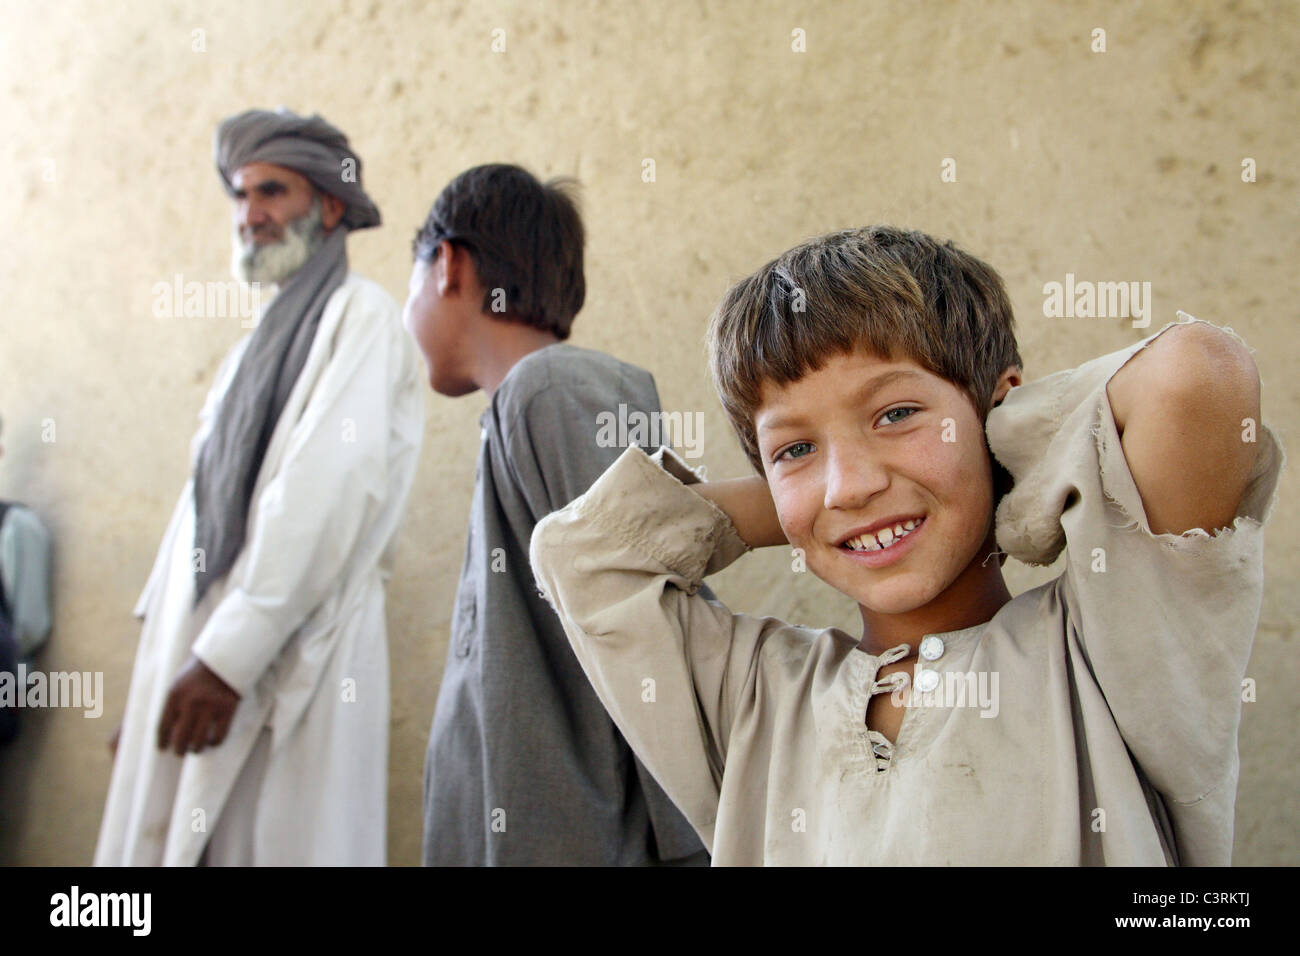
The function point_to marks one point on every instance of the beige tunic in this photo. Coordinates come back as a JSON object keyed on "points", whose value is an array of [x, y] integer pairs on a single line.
{"points": [[1093, 720]]}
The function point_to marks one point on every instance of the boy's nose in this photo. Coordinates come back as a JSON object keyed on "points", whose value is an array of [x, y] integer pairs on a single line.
{"points": [[852, 480]]}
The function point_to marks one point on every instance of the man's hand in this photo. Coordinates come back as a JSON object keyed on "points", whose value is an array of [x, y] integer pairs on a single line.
{"points": [[198, 711]]}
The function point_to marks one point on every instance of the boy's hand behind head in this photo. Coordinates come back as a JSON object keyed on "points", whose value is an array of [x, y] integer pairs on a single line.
{"points": [[748, 503]]}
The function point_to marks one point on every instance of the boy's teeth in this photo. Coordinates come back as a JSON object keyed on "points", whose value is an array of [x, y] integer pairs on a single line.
{"points": [[884, 537]]}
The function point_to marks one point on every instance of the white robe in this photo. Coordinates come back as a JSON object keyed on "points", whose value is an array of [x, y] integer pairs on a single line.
{"points": [[297, 626]]}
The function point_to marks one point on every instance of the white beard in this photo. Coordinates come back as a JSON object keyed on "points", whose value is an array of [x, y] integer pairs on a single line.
{"points": [[274, 262]]}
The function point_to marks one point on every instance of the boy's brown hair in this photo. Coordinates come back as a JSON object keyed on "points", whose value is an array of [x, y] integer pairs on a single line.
{"points": [[525, 238], [899, 294]]}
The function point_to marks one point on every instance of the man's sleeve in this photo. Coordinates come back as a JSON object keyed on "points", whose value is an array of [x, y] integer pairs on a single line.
{"points": [[1166, 622], [310, 516]]}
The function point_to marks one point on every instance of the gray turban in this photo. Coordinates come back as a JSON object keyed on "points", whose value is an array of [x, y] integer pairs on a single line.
{"points": [[228, 464], [305, 144]]}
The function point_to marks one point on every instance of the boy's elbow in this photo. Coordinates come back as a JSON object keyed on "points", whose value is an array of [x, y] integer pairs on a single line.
{"points": [[1209, 370]]}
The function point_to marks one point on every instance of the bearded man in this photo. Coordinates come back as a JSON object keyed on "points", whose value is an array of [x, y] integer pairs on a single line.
{"points": [[256, 728]]}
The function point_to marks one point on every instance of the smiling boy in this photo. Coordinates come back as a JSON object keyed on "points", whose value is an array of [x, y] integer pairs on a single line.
{"points": [[873, 378]]}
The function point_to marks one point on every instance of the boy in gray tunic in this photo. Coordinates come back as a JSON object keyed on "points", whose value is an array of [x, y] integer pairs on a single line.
{"points": [[524, 765]]}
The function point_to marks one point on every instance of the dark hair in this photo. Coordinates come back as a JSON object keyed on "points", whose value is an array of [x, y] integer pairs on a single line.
{"points": [[893, 292], [524, 237]]}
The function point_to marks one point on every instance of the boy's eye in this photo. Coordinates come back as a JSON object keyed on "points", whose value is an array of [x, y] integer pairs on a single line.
{"points": [[792, 450], [898, 411]]}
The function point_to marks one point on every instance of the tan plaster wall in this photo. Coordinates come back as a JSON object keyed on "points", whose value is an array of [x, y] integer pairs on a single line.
{"points": [[1123, 165]]}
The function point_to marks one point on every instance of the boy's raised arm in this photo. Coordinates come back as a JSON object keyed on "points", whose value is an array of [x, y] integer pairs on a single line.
{"points": [[622, 565], [1182, 406], [1151, 469]]}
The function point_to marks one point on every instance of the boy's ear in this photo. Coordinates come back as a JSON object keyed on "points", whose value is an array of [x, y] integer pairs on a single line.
{"points": [[1010, 378], [456, 273], [448, 268]]}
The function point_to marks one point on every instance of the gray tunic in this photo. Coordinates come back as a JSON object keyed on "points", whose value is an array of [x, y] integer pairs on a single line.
{"points": [[524, 765]]}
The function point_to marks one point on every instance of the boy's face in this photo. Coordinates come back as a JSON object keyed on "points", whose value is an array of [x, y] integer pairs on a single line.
{"points": [[864, 441], [436, 316]]}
